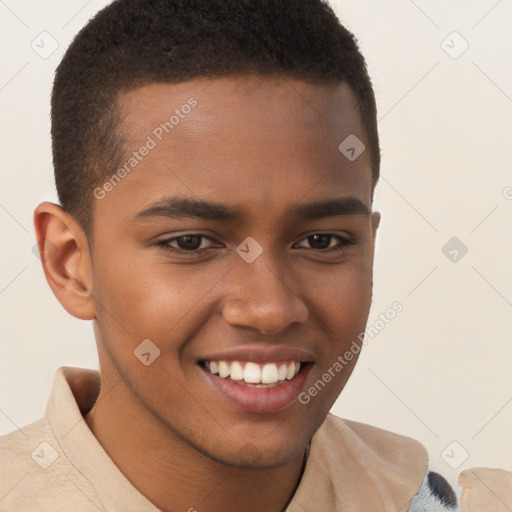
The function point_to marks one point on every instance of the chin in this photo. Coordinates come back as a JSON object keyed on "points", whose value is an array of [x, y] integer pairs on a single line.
{"points": [[275, 450], [250, 456]]}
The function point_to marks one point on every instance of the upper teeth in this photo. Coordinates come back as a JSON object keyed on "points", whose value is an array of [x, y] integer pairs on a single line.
{"points": [[254, 373]]}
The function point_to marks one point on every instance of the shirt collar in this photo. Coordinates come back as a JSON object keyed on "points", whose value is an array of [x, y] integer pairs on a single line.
{"points": [[70, 397], [351, 466]]}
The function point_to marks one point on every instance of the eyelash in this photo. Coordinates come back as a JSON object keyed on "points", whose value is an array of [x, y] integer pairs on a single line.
{"points": [[344, 242]]}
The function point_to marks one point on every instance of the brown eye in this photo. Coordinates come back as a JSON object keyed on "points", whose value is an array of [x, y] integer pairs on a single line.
{"points": [[189, 242], [319, 241], [322, 242]]}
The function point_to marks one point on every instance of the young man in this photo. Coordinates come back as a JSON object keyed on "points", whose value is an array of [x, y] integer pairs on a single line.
{"points": [[215, 162]]}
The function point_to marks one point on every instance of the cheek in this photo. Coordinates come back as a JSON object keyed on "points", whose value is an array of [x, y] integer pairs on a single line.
{"points": [[342, 309], [342, 312], [342, 295], [138, 299]]}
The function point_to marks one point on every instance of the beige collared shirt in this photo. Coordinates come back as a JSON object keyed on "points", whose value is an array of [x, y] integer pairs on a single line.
{"points": [[56, 464]]}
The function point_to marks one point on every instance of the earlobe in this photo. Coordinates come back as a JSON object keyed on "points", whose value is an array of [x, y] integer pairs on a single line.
{"points": [[65, 256], [375, 222]]}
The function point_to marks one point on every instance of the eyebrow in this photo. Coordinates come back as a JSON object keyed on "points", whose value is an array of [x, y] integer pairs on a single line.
{"points": [[178, 207]]}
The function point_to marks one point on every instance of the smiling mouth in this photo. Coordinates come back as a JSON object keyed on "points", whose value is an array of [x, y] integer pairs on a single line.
{"points": [[251, 374]]}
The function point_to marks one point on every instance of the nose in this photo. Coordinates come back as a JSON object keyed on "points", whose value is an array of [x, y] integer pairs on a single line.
{"points": [[261, 297]]}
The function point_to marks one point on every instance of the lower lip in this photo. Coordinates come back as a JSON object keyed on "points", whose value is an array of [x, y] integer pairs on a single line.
{"points": [[260, 400]]}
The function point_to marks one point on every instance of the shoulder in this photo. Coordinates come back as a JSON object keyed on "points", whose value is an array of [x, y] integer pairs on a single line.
{"points": [[17, 447], [393, 468], [355, 466], [433, 492], [22, 452], [35, 473], [396, 449], [485, 489]]}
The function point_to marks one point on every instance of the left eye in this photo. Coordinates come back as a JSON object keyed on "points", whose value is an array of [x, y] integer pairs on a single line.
{"points": [[322, 241]]}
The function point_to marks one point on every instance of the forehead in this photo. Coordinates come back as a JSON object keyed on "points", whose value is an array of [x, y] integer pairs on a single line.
{"points": [[254, 104], [254, 141]]}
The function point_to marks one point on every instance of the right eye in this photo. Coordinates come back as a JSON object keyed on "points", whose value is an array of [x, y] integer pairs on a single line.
{"points": [[189, 243]]}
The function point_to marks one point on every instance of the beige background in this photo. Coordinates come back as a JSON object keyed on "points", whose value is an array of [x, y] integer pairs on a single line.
{"points": [[440, 371]]}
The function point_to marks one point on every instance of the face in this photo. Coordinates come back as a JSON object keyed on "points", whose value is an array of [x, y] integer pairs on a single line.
{"points": [[239, 244]]}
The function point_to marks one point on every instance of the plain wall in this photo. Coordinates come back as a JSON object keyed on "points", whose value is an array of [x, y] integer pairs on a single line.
{"points": [[440, 371]]}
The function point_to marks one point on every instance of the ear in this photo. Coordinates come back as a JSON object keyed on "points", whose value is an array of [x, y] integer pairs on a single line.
{"points": [[65, 255], [375, 223]]}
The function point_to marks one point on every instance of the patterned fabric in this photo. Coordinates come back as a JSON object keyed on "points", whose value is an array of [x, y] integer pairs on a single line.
{"points": [[435, 495]]}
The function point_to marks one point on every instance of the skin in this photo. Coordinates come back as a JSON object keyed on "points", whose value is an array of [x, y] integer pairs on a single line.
{"points": [[262, 146]]}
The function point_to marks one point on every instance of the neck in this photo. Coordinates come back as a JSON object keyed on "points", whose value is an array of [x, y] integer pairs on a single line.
{"points": [[171, 473]]}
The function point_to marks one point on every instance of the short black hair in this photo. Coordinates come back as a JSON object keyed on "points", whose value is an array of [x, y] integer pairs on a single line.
{"points": [[132, 43]]}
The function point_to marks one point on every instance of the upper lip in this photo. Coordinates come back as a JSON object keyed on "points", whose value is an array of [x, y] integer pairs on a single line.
{"points": [[261, 354]]}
